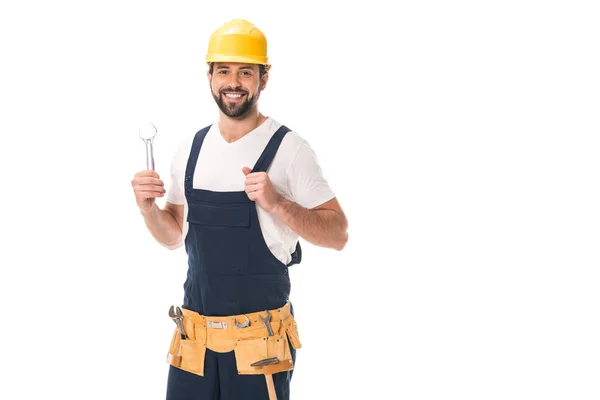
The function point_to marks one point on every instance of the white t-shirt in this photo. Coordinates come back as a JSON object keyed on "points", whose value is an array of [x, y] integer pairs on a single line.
{"points": [[295, 173]]}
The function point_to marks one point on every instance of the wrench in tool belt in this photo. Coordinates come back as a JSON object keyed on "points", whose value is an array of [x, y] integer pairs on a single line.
{"points": [[267, 322], [177, 317], [269, 361]]}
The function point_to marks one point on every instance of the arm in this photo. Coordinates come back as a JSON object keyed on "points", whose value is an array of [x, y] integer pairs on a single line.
{"points": [[325, 225], [166, 225]]}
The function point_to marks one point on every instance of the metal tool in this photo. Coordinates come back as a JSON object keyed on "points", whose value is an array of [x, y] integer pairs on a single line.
{"points": [[147, 134], [267, 322], [177, 317], [179, 313], [243, 324], [268, 361]]}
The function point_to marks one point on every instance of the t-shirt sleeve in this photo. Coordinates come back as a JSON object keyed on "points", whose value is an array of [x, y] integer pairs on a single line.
{"points": [[308, 186]]}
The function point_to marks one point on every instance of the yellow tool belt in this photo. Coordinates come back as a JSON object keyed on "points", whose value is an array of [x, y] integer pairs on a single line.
{"points": [[251, 344]]}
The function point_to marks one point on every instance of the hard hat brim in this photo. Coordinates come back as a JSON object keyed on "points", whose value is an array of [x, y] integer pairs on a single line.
{"points": [[236, 58]]}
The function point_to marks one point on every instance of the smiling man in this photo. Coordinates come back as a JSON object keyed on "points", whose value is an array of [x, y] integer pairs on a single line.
{"points": [[243, 191], [240, 102]]}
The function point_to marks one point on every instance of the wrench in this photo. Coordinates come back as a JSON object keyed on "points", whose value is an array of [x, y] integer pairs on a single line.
{"points": [[269, 361], [180, 319], [243, 324], [267, 322], [177, 317]]}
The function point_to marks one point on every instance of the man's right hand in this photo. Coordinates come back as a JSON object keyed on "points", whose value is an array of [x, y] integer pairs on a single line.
{"points": [[147, 186]]}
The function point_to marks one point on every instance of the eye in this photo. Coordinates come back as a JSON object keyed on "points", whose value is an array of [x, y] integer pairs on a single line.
{"points": [[246, 73], [222, 71]]}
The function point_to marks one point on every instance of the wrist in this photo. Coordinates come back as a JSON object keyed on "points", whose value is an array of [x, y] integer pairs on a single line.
{"points": [[278, 206]]}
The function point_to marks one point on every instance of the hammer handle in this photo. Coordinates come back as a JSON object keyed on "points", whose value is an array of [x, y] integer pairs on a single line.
{"points": [[271, 387]]}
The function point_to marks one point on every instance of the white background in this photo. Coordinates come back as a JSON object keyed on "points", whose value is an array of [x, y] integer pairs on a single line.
{"points": [[460, 138]]}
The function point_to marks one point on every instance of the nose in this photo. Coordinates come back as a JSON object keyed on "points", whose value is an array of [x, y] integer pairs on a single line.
{"points": [[234, 81]]}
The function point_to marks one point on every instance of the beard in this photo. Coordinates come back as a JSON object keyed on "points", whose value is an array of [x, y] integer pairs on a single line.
{"points": [[236, 109]]}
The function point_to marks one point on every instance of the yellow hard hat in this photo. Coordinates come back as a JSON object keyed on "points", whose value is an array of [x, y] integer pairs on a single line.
{"points": [[238, 41]]}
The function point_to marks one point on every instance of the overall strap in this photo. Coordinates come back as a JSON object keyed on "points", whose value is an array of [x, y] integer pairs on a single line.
{"points": [[193, 158], [265, 159], [263, 163]]}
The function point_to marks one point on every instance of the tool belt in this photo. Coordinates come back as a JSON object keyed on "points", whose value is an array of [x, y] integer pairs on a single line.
{"points": [[246, 334]]}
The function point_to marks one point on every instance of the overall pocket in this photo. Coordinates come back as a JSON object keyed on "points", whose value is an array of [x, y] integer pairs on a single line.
{"points": [[250, 351], [222, 232]]}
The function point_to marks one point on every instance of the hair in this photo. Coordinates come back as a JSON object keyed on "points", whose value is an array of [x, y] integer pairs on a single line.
{"points": [[262, 69]]}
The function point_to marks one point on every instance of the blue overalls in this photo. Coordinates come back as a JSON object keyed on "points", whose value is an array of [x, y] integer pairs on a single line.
{"points": [[231, 271]]}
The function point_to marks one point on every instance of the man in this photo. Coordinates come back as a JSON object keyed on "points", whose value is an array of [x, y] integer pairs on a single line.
{"points": [[243, 191]]}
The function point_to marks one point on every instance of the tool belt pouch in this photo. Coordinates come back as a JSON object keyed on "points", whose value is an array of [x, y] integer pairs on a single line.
{"points": [[291, 329], [188, 354], [249, 351], [252, 349]]}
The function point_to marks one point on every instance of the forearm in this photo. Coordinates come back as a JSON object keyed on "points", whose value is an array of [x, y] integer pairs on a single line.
{"points": [[321, 227], [163, 226]]}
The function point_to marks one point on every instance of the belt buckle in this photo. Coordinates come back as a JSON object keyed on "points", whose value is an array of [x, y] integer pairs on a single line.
{"points": [[217, 325]]}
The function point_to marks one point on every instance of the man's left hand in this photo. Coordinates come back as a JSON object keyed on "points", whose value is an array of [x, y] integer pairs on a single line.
{"points": [[259, 188]]}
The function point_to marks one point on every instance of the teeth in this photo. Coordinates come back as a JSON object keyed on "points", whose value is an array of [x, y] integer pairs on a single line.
{"points": [[233, 96]]}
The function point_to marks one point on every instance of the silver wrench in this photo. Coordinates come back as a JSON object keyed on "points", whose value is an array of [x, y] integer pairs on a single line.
{"points": [[177, 317], [243, 324], [269, 361], [147, 133], [267, 322]]}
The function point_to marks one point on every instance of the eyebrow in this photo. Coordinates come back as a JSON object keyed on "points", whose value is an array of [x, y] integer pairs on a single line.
{"points": [[227, 67]]}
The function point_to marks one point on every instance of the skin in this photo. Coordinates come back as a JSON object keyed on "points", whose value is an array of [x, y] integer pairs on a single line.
{"points": [[324, 226]]}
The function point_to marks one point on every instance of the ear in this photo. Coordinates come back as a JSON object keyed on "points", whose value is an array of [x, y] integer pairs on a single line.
{"points": [[263, 81]]}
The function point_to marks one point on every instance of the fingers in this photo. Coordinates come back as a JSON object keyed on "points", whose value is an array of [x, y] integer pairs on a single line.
{"points": [[148, 191], [246, 170], [147, 181], [147, 177], [147, 194], [256, 177], [253, 188], [147, 173], [147, 184], [253, 196], [149, 187]]}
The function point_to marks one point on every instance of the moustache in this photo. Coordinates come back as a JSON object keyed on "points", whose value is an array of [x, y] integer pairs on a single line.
{"points": [[232, 90]]}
